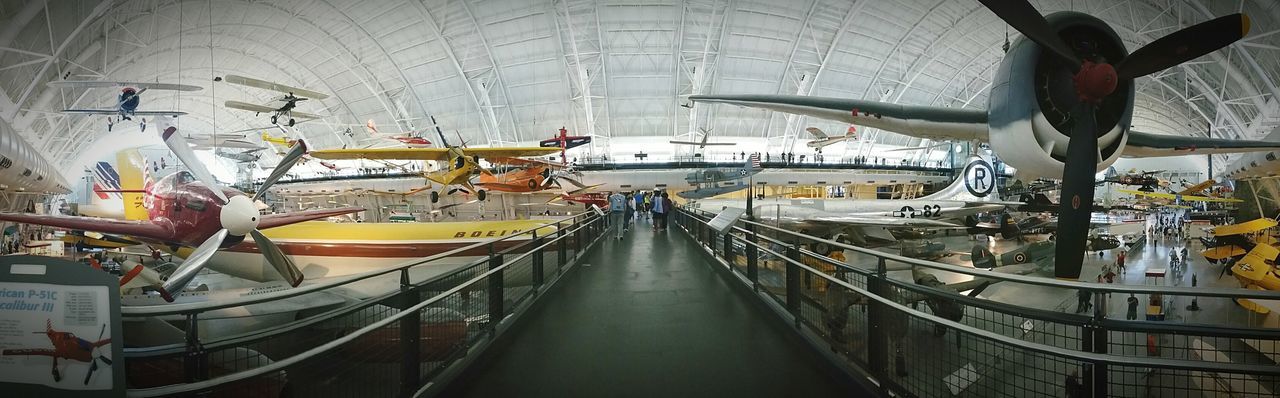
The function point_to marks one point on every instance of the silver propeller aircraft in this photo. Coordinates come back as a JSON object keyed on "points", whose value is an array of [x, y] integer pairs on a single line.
{"points": [[1069, 75]]}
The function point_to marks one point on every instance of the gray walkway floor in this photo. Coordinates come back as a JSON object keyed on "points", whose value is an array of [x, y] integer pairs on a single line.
{"points": [[648, 318]]}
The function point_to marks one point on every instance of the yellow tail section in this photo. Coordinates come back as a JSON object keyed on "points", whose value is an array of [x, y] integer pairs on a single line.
{"points": [[133, 177]]}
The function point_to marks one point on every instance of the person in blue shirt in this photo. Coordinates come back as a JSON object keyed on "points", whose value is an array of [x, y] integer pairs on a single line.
{"points": [[631, 209], [617, 212], [641, 212]]}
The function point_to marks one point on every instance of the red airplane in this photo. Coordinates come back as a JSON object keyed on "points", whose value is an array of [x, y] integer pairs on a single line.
{"points": [[531, 176], [188, 208], [67, 346], [412, 139], [564, 142], [599, 199]]}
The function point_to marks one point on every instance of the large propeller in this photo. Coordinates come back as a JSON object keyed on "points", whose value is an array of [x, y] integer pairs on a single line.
{"points": [[1095, 79], [238, 216]]}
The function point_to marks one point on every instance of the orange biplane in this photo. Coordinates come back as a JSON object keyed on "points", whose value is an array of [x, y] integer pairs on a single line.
{"points": [[66, 345], [532, 176]]}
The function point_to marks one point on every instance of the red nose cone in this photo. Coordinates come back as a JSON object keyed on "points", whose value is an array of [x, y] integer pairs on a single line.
{"points": [[1095, 81]]}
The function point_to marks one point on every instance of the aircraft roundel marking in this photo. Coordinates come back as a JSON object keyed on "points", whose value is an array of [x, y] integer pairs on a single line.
{"points": [[979, 178], [1075, 201], [1020, 258]]}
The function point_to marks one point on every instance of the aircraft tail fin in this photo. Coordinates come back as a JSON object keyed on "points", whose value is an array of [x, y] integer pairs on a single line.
{"points": [[753, 162], [976, 183], [1009, 227], [135, 181]]}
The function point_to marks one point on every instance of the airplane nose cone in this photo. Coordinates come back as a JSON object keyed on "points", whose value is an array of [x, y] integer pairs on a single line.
{"points": [[239, 215]]}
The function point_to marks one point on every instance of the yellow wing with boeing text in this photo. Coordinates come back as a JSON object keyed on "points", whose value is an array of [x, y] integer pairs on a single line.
{"points": [[1172, 196], [1245, 227], [384, 153]]}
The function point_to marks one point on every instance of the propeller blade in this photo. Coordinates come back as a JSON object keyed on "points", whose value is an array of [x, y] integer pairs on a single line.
{"points": [[295, 153], [93, 367], [104, 359], [1027, 20], [575, 183], [278, 260], [133, 273], [192, 266], [1077, 193], [1184, 45], [451, 205], [178, 144]]}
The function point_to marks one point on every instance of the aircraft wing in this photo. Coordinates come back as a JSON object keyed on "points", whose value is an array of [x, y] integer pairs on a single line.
{"points": [[245, 106], [282, 219], [511, 152], [304, 115], [528, 162], [816, 133], [266, 85], [30, 351], [865, 221], [1172, 196], [111, 84], [159, 113], [915, 121], [137, 229], [394, 153], [93, 111], [1152, 145], [700, 143]]}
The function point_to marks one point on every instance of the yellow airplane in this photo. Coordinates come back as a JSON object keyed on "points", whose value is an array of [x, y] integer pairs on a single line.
{"points": [[1252, 244], [1179, 197], [462, 163], [1198, 188]]}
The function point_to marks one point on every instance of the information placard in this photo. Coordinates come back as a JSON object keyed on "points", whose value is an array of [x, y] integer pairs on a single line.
{"points": [[58, 322], [727, 217]]}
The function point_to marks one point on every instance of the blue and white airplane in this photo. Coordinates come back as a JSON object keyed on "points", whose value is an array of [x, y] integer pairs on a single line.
{"points": [[127, 102]]}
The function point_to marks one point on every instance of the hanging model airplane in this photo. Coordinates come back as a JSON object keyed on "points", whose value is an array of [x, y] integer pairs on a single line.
{"points": [[248, 156], [411, 139], [822, 140], [706, 133], [461, 163], [1146, 181], [565, 142], [189, 209], [211, 141], [530, 176], [1045, 92], [287, 102], [127, 102]]}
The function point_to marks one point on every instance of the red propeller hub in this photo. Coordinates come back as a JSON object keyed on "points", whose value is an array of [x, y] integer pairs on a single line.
{"points": [[1095, 81]]}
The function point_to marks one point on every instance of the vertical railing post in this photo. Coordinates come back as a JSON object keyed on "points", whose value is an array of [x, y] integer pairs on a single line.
{"points": [[577, 235], [537, 260], [410, 335], [753, 255], [195, 361], [496, 312], [1096, 336], [877, 335], [727, 250], [562, 247], [793, 282]]}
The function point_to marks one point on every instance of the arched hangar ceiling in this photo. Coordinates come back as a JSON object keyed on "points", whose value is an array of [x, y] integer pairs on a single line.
{"points": [[505, 71]]}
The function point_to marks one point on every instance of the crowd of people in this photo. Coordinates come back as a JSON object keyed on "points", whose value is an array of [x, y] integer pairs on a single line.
{"points": [[633, 208]]}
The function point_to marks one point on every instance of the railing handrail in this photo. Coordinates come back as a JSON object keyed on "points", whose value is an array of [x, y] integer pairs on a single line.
{"points": [[1077, 285], [332, 344], [204, 306]]}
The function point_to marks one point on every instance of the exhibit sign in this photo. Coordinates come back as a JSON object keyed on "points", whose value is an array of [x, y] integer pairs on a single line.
{"points": [[725, 220], [59, 326]]}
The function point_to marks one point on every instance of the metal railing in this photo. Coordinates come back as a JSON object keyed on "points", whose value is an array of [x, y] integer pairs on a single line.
{"points": [[899, 337], [408, 341]]}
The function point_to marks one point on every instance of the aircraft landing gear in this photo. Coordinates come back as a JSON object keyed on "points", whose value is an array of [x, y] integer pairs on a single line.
{"points": [[291, 122], [480, 194], [435, 196], [273, 119], [142, 126], [110, 123]]}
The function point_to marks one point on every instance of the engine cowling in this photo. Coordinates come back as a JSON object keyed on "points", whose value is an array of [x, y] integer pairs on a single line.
{"points": [[1033, 93]]}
